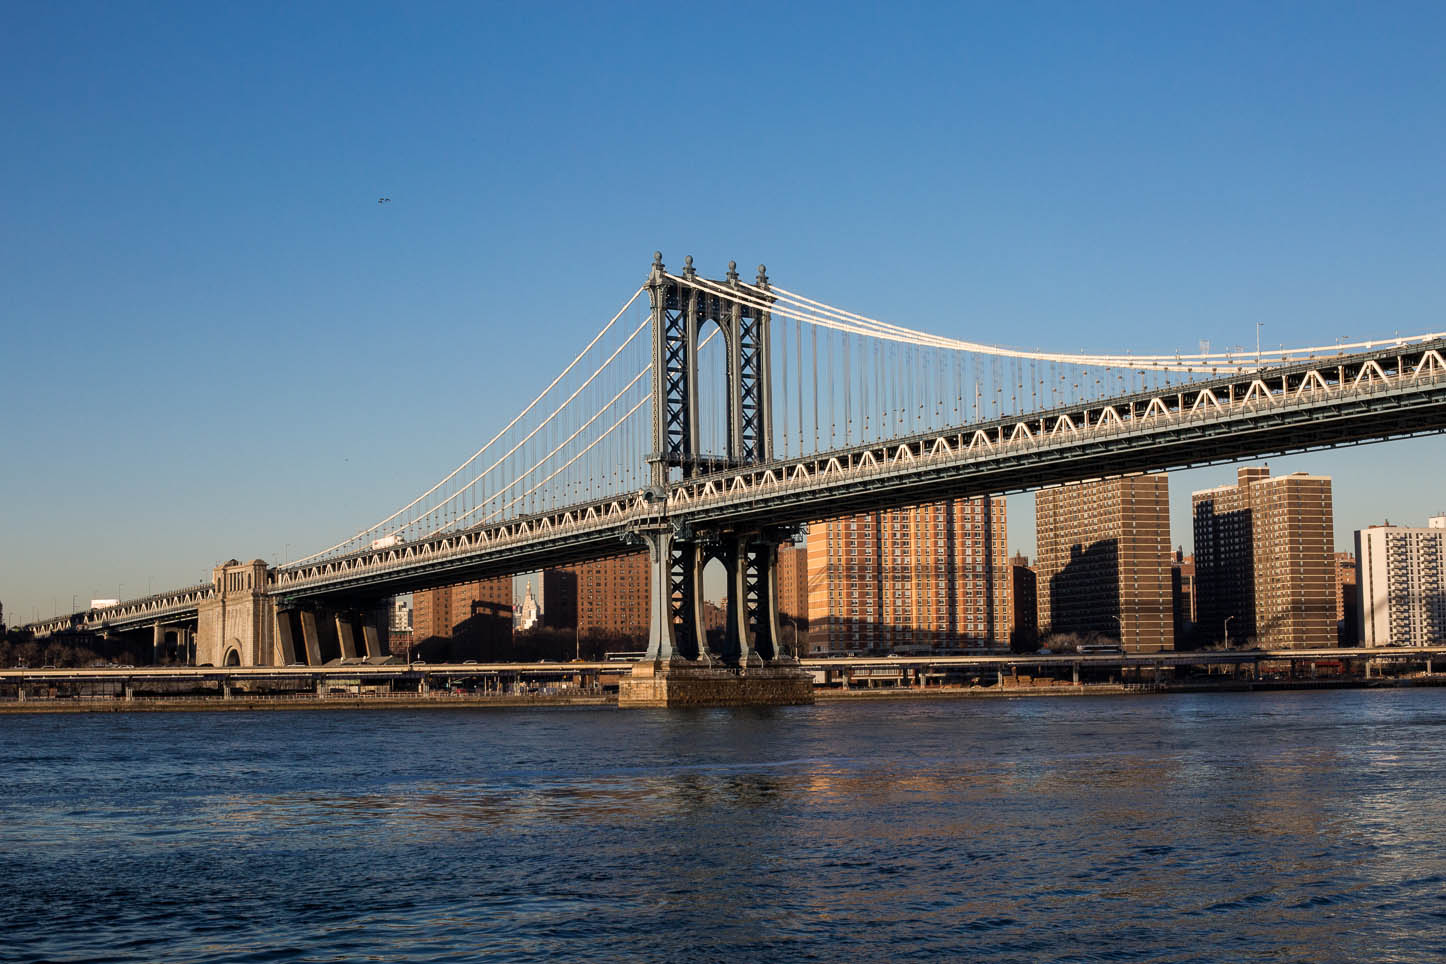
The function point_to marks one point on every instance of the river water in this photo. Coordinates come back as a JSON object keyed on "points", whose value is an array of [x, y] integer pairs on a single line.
{"points": [[1289, 827]]}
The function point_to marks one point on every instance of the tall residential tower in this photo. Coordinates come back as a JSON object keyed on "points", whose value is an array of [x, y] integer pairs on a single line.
{"points": [[1402, 574], [1104, 561], [1264, 560], [918, 579]]}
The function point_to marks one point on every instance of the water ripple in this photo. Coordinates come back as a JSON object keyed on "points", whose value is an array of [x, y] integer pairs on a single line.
{"points": [[1297, 827]]}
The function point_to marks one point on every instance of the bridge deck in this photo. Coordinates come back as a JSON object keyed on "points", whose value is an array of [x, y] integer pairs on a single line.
{"points": [[1347, 400]]}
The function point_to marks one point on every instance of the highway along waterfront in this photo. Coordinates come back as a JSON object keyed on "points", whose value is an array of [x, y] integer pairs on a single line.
{"points": [[390, 683], [1300, 826]]}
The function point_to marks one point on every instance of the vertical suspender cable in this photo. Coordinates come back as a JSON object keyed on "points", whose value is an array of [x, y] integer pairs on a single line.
{"points": [[798, 354], [890, 427], [878, 392], [941, 380], [813, 340], [832, 404], [958, 386], [864, 401], [916, 388], [783, 386]]}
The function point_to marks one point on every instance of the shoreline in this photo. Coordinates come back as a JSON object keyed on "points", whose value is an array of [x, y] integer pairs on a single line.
{"points": [[1122, 689], [242, 704]]}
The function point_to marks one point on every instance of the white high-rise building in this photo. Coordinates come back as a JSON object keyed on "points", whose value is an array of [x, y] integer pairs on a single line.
{"points": [[1402, 582], [401, 621]]}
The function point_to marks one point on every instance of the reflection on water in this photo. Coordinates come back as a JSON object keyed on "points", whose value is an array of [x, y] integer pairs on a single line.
{"points": [[1243, 826]]}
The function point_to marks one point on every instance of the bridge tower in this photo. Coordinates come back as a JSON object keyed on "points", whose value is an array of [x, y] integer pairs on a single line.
{"points": [[679, 666]]}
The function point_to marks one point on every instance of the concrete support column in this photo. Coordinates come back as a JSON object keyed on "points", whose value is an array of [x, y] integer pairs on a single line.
{"points": [[372, 639], [423, 688], [158, 642], [128, 691], [739, 625], [225, 689], [660, 592], [346, 636], [284, 640], [1075, 667], [770, 643], [20, 692], [310, 638]]}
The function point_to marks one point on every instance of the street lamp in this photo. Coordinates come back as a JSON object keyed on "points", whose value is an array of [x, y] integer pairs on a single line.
{"points": [[1226, 641]]}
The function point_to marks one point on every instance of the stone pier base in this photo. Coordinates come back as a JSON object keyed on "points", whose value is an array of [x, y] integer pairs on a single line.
{"points": [[690, 684]]}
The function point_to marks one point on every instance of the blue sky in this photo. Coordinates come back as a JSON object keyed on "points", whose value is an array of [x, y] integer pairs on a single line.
{"points": [[216, 343]]}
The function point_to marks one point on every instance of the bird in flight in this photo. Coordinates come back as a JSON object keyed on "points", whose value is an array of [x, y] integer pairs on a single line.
{"points": [[384, 200]]}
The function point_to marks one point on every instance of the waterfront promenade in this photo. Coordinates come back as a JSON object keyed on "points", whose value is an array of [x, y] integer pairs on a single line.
{"points": [[395, 685]]}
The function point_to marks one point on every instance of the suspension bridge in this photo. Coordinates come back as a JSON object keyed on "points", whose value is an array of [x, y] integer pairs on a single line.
{"points": [[711, 418]]}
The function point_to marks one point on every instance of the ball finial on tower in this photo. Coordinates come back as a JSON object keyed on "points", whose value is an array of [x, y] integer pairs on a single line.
{"points": [[763, 275], [688, 270], [733, 271]]}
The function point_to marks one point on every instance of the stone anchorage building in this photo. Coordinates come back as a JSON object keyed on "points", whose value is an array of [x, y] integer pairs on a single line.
{"points": [[1402, 584], [1104, 561], [240, 624], [920, 579], [1265, 562], [236, 626]]}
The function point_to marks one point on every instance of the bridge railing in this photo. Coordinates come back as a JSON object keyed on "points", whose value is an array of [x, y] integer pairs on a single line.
{"points": [[1115, 419], [613, 514], [154, 605], [1296, 387]]}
